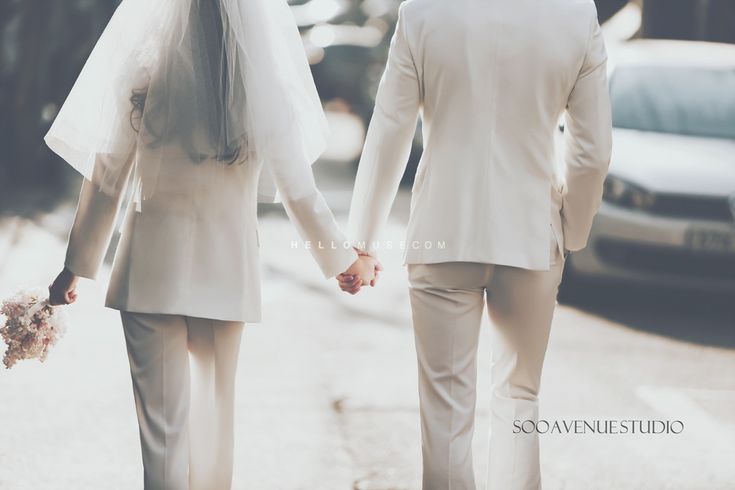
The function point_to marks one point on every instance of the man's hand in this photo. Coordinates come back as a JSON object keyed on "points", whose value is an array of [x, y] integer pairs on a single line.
{"points": [[363, 272], [63, 290]]}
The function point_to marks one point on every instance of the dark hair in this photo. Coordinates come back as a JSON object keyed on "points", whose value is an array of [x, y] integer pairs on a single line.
{"points": [[166, 121]]}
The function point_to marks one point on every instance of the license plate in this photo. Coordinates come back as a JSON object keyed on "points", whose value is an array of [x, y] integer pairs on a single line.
{"points": [[710, 241]]}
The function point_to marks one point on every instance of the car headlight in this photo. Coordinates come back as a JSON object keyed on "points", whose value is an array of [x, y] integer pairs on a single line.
{"points": [[623, 193]]}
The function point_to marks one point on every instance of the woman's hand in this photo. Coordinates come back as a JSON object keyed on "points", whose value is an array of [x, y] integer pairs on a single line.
{"points": [[63, 291], [363, 272]]}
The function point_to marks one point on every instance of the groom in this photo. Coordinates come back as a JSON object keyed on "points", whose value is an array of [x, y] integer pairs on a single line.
{"points": [[491, 222]]}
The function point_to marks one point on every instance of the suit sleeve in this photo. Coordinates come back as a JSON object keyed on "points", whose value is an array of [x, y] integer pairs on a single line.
{"points": [[388, 142], [588, 138], [312, 218], [94, 223]]}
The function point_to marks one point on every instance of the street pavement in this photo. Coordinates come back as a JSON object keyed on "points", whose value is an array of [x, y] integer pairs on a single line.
{"points": [[327, 390]]}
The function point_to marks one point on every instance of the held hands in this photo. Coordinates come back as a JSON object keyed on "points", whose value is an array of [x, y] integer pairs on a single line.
{"points": [[63, 290], [363, 272]]}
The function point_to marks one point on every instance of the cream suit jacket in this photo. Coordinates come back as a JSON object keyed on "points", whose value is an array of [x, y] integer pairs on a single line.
{"points": [[491, 79], [196, 253]]}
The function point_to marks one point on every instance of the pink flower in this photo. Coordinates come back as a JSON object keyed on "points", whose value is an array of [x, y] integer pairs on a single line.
{"points": [[31, 326]]}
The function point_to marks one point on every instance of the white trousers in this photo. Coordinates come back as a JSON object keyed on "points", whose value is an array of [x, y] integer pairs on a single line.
{"points": [[183, 372], [447, 301]]}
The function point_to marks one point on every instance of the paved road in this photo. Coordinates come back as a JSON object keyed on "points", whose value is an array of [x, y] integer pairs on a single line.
{"points": [[327, 395]]}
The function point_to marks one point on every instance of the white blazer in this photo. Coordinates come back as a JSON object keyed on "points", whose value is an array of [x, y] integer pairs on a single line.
{"points": [[491, 79], [196, 253]]}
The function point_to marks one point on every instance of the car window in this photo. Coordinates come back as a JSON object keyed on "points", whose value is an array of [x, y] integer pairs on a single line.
{"points": [[689, 101]]}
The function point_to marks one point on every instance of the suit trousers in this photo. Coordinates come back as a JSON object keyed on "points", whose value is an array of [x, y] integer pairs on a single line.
{"points": [[183, 372], [447, 302]]}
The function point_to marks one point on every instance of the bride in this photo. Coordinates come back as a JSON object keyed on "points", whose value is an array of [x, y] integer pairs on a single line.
{"points": [[192, 111]]}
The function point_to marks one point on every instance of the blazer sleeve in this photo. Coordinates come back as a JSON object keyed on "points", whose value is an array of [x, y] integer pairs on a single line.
{"points": [[588, 137], [308, 211], [316, 225], [94, 223], [388, 142]]}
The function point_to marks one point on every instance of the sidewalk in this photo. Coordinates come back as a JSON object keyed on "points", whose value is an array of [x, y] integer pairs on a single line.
{"points": [[327, 396], [70, 423]]}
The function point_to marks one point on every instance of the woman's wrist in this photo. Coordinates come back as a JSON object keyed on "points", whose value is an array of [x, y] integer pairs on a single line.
{"points": [[361, 253]]}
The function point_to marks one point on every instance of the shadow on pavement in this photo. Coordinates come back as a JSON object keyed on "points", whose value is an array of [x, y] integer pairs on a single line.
{"points": [[691, 316], [33, 199]]}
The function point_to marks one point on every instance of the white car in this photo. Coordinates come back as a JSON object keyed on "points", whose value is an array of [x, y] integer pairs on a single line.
{"points": [[668, 211]]}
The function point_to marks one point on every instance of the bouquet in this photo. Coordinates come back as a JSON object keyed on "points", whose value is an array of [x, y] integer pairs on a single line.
{"points": [[30, 326]]}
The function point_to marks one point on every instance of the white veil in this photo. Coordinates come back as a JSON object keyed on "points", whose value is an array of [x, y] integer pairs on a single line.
{"points": [[215, 82]]}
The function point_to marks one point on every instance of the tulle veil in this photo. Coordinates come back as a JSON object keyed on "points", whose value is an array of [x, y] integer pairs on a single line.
{"points": [[215, 82]]}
